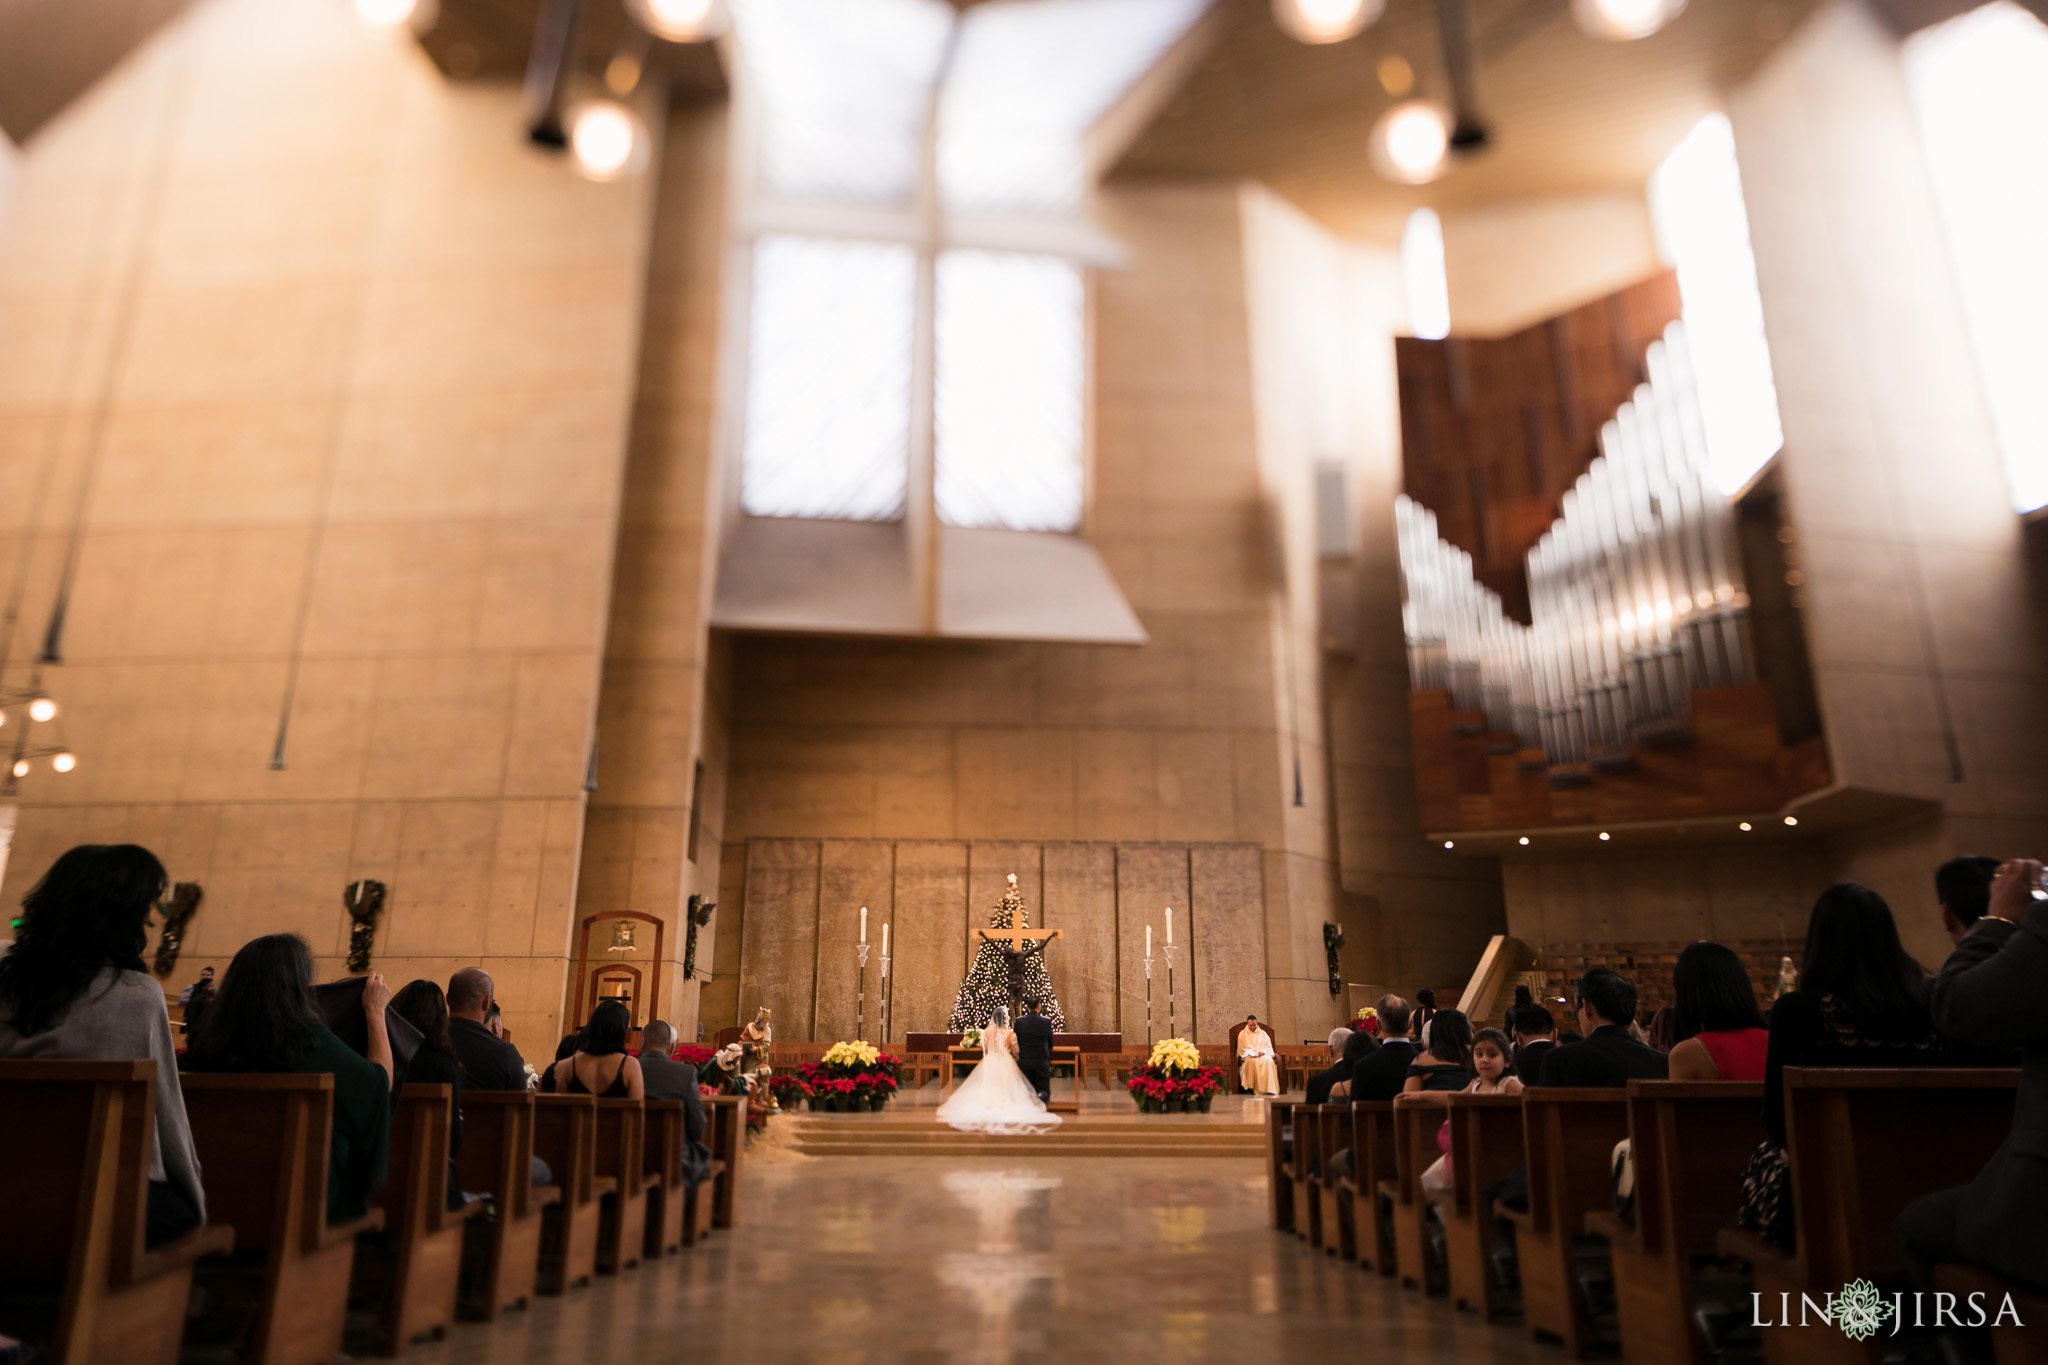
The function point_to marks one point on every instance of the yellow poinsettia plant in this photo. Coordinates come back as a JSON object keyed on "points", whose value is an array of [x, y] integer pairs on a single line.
{"points": [[1175, 1054], [857, 1055]]}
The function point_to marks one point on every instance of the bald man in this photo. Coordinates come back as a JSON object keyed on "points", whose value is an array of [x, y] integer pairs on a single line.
{"points": [[488, 1061]]}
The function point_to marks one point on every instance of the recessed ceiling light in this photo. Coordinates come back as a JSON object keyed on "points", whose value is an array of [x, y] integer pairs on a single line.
{"points": [[1744, 826], [1622, 20], [1325, 21], [1523, 840], [1449, 844], [1791, 819], [1411, 144], [1604, 836]]}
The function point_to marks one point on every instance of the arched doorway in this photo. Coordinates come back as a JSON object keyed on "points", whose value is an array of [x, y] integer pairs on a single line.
{"points": [[619, 954]]}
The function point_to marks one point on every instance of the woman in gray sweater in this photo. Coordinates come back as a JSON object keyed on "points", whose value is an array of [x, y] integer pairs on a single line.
{"points": [[74, 987]]}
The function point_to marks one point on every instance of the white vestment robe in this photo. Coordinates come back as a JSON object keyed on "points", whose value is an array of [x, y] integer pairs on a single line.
{"points": [[1257, 1071]]}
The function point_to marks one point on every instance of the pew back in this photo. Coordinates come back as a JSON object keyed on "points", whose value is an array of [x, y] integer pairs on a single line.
{"points": [[263, 1142]]}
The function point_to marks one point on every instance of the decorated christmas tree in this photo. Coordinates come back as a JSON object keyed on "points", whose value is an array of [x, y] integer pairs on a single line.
{"points": [[989, 981]]}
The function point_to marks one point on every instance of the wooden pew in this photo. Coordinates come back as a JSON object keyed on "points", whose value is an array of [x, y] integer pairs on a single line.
{"points": [[1279, 1170], [1691, 1140], [1486, 1143], [502, 1253], [668, 1195], [1301, 1174], [1568, 1137], [727, 1138], [565, 1136], [2026, 1344], [621, 1157], [263, 1146], [1372, 1147], [1863, 1144], [1333, 1135], [1415, 1126], [415, 1267], [75, 1149]]}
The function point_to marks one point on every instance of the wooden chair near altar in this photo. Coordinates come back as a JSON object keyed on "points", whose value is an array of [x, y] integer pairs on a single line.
{"points": [[1486, 1144], [1568, 1138], [919, 1067], [565, 1137], [500, 1254], [262, 1142], [78, 1180], [414, 1268]]}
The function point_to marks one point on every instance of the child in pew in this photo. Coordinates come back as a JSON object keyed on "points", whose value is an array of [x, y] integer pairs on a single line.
{"points": [[1490, 1076], [265, 1020], [74, 987], [1861, 1002]]}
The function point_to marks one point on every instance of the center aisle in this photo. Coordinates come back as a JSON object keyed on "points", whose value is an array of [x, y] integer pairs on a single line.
{"points": [[972, 1259]]}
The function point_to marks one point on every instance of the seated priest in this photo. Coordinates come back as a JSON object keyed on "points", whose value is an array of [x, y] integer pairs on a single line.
{"points": [[1258, 1071]]}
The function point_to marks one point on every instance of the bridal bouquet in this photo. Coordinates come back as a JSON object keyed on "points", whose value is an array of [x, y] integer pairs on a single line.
{"points": [[971, 1038]]}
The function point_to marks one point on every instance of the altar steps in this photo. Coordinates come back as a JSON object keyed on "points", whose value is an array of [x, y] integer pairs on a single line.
{"points": [[1090, 1135]]}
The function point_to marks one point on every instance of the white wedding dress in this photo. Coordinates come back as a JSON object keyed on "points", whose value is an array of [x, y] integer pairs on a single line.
{"points": [[995, 1097]]}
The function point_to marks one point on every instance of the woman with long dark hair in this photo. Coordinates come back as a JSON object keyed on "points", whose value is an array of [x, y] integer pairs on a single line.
{"points": [[74, 987], [264, 1018], [1447, 1066], [1719, 1030], [421, 1004], [600, 1064], [1861, 1002]]}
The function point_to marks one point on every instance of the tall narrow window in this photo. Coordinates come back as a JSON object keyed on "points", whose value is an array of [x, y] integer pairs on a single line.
{"points": [[1422, 273], [1980, 86]]}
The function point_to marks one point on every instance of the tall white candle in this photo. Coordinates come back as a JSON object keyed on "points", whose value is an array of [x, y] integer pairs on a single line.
{"points": [[863, 924], [1169, 924], [1148, 940], [885, 938]]}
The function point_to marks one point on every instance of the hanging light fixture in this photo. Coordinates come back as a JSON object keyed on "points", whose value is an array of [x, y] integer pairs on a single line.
{"points": [[1325, 21], [392, 13], [65, 761], [1620, 21], [607, 140], [1411, 144], [41, 709], [622, 936], [684, 21]]}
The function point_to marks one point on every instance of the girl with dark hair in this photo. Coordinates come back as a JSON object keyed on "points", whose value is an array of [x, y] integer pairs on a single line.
{"points": [[600, 1065], [1718, 1028], [1492, 1072], [421, 1004], [74, 987], [1447, 1066], [264, 1018], [1861, 1002]]}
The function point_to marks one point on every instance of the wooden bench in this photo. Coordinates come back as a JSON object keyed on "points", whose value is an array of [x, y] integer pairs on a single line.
{"points": [[501, 1254], [1279, 1170], [668, 1194], [1303, 1164], [1109, 1065], [1372, 1163], [1691, 1140], [76, 1149], [1333, 1135], [1863, 1144], [1568, 1137], [565, 1136], [414, 1268], [621, 1157], [726, 1118], [1486, 1144], [1415, 1126], [1298, 1064], [2026, 1344], [263, 1149]]}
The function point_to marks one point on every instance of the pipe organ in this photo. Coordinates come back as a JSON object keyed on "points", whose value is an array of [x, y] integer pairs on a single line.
{"points": [[1635, 592]]}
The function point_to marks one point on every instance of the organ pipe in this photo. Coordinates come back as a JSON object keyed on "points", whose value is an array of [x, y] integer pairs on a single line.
{"points": [[1635, 591]]}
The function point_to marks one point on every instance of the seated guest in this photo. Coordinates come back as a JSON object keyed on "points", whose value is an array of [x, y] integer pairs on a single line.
{"points": [[600, 1065], [195, 998], [1446, 1066], [1357, 1048], [1491, 1073], [668, 1079], [1660, 1030], [1989, 993], [1381, 1075], [564, 1049], [265, 1019], [494, 1023], [422, 1005], [1258, 1069], [1320, 1083], [488, 1061], [1720, 1030], [1535, 1034], [1861, 1002], [74, 987], [1962, 888], [1608, 1058]]}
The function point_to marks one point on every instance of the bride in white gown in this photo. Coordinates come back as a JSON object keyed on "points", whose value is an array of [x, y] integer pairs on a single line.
{"points": [[995, 1097]]}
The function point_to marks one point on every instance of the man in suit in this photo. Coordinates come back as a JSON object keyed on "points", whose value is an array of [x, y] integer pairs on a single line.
{"points": [[1535, 1034], [488, 1061], [1608, 1058], [668, 1079], [1381, 1075], [1988, 994], [1320, 1083], [1034, 1049]]}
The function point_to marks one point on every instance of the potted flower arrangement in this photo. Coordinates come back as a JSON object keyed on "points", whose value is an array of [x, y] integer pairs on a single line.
{"points": [[788, 1092], [694, 1054], [1367, 1021], [1174, 1081], [851, 1078]]}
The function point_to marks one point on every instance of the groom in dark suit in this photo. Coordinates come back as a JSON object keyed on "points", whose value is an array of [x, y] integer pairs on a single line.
{"points": [[1034, 1049]]}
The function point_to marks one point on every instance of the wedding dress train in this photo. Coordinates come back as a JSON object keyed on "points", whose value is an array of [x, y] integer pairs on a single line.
{"points": [[995, 1097]]}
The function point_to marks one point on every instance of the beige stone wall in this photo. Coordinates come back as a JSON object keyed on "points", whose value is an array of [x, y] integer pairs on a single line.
{"points": [[330, 374], [1512, 264], [653, 724]]}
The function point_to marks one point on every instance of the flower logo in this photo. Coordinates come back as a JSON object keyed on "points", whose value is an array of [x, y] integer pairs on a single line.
{"points": [[1860, 1310]]}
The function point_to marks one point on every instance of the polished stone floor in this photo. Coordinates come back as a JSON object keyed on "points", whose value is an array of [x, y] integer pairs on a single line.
{"points": [[867, 1261]]}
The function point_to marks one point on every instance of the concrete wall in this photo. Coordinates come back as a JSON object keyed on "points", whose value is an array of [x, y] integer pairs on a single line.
{"points": [[1511, 264], [324, 376]]}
